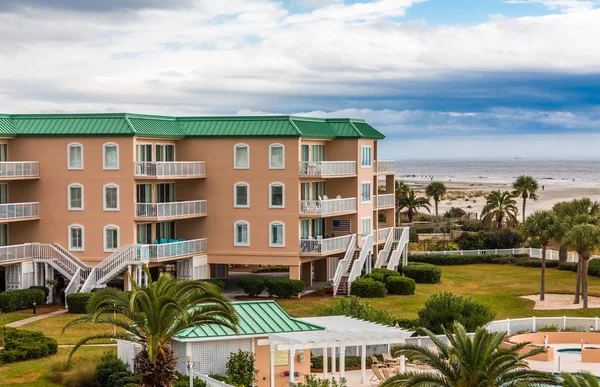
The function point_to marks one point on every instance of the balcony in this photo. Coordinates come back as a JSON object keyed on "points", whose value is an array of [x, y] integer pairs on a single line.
{"points": [[326, 246], [16, 253], [16, 212], [19, 170], [385, 166], [327, 168], [383, 201], [171, 170], [174, 249], [173, 210], [318, 208]]}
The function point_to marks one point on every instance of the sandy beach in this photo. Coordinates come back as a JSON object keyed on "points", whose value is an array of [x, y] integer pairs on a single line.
{"points": [[469, 194]]}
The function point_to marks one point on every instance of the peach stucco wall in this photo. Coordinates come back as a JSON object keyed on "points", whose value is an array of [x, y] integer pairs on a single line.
{"points": [[558, 338], [262, 364]]}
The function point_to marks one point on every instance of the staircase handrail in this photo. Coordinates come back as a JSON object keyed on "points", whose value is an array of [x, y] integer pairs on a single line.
{"points": [[73, 285], [69, 255], [383, 254], [402, 245], [89, 282], [357, 266], [342, 266], [114, 263], [47, 252]]}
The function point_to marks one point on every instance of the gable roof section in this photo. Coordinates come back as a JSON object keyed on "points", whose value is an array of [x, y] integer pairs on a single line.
{"points": [[260, 126], [6, 126], [344, 128], [256, 318], [71, 125], [367, 131], [155, 126], [313, 127]]}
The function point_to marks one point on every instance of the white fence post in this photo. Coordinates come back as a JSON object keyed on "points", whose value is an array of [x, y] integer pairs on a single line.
{"points": [[533, 324], [564, 322], [508, 326], [596, 324]]}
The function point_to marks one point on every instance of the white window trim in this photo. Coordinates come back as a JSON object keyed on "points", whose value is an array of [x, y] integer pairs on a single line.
{"points": [[107, 250], [370, 156], [235, 205], [111, 185], [370, 224], [235, 158], [71, 248], [271, 194], [152, 154], [104, 167], [370, 192], [235, 242], [69, 197], [276, 222], [282, 155], [69, 156]]}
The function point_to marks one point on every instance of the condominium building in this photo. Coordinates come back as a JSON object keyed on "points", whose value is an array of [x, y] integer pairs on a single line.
{"points": [[90, 197]]}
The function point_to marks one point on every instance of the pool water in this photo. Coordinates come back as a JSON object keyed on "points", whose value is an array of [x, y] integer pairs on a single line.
{"points": [[572, 351]]}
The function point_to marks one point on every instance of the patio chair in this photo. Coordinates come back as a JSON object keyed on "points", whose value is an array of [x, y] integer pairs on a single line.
{"points": [[390, 361], [375, 361], [377, 377], [386, 373]]}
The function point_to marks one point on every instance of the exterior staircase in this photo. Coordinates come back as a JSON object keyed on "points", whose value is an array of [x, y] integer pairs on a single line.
{"points": [[352, 268], [400, 251], [343, 265], [112, 265]]}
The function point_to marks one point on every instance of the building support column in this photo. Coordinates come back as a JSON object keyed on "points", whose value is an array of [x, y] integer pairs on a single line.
{"points": [[320, 267], [295, 272], [292, 361], [342, 361], [333, 361], [363, 364], [272, 365], [126, 279], [325, 361], [307, 273]]}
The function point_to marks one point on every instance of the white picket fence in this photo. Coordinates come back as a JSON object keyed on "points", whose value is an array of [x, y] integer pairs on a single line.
{"points": [[551, 255], [532, 324]]}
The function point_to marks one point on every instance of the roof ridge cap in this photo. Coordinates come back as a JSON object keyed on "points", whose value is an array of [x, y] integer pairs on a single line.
{"points": [[291, 121], [130, 125]]}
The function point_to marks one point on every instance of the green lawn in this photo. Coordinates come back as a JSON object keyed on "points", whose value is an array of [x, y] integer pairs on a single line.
{"points": [[496, 285], [7, 318], [34, 373]]}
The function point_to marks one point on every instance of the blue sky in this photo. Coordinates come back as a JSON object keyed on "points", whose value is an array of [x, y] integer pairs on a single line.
{"points": [[441, 78]]}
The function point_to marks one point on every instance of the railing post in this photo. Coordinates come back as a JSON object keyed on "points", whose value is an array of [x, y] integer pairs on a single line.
{"points": [[533, 324], [564, 322], [530, 252], [508, 326], [595, 324]]}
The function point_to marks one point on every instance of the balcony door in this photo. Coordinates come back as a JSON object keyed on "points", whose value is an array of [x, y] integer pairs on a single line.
{"points": [[3, 193], [318, 152], [165, 193], [144, 193], [165, 231], [3, 152], [143, 153], [165, 152], [144, 233], [318, 189]]}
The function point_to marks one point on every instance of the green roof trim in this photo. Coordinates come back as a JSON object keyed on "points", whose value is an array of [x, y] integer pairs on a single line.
{"points": [[256, 318], [127, 124]]}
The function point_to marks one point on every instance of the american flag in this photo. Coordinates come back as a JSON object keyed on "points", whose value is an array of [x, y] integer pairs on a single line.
{"points": [[341, 225]]}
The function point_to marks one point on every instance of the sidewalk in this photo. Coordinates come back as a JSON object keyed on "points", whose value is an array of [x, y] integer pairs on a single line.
{"points": [[26, 321]]}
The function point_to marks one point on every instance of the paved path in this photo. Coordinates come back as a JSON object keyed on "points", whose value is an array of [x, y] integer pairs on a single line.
{"points": [[25, 321], [87, 345]]}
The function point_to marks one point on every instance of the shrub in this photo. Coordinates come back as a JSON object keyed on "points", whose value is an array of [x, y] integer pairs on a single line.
{"points": [[313, 381], [353, 307], [18, 299], [408, 323], [400, 285], [273, 269], [218, 283], [568, 266], [523, 331], [454, 212], [379, 277], [284, 288], [251, 286], [548, 328], [443, 309], [502, 239], [594, 267], [24, 345], [455, 259], [77, 302], [351, 362], [184, 381], [81, 372], [569, 329], [44, 288], [386, 273], [240, 369], [534, 262], [423, 273], [320, 290], [110, 365], [367, 288]]}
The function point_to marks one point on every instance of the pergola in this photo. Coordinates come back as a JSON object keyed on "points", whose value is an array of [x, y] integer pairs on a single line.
{"points": [[340, 332]]}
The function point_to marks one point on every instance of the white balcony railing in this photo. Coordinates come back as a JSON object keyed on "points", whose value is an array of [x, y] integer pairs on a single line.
{"points": [[15, 211], [171, 169], [19, 169], [383, 201], [327, 207], [16, 252], [385, 166], [324, 246], [381, 235], [327, 168], [173, 249], [170, 210]]}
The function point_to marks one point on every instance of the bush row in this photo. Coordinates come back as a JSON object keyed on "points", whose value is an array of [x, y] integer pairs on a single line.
{"points": [[77, 302], [44, 288], [533, 262], [367, 288], [273, 269], [218, 283], [282, 288], [455, 259], [24, 345], [353, 307], [501, 239], [400, 285], [12, 300], [423, 273], [350, 363]]}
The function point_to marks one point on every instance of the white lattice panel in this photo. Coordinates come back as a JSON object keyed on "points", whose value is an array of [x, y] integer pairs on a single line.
{"points": [[179, 349], [200, 267], [210, 357]]}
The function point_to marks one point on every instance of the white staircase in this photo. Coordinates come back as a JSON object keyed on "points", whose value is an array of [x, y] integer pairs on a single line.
{"points": [[401, 239], [365, 253], [350, 268], [112, 265], [344, 264], [384, 254]]}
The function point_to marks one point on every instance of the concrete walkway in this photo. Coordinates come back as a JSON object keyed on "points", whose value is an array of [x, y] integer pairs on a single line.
{"points": [[26, 321], [87, 345]]}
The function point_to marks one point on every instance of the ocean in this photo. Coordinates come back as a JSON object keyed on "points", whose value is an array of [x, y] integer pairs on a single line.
{"points": [[580, 170]]}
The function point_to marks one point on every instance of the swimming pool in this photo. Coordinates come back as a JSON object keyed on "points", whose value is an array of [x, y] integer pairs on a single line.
{"points": [[570, 351]]}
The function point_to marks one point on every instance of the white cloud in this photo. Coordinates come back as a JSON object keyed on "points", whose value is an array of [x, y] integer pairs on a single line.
{"points": [[568, 5]]}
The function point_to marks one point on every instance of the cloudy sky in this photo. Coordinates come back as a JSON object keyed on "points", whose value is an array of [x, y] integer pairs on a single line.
{"points": [[441, 78]]}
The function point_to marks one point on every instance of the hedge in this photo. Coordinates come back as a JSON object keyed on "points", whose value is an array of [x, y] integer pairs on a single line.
{"points": [[251, 286], [350, 362], [12, 300], [386, 273], [568, 266], [77, 302], [400, 285], [379, 277], [24, 345], [534, 262], [455, 259], [273, 269], [367, 288], [44, 288], [218, 283], [283, 287], [423, 273]]}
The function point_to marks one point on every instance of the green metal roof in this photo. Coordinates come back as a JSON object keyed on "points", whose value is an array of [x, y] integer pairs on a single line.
{"points": [[125, 124], [256, 318]]}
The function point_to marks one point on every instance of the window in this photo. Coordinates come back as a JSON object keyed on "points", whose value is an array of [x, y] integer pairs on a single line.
{"points": [[241, 195], [365, 226], [75, 156], [318, 152], [165, 152], [144, 233], [143, 152], [3, 152], [75, 193], [365, 157], [76, 237], [304, 228], [241, 157], [276, 234], [276, 193], [276, 156], [111, 238], [110, 156], [111, 197], [242, 233], [165, 193], [365, 192], [165, 231]]}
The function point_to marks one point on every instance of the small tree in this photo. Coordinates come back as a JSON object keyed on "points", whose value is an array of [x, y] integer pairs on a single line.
{"points": [[525, 187], [542, 225], [412, 203], [585, 239], [436, 190], [240, 369], [500, 207]]}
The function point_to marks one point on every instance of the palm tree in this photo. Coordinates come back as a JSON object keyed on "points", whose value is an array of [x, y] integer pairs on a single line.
{"points": [[585, 239], [583, 379], [151, 315], [542, 225], [466, 361], [436, 190], [500, 206], [525, 187], [412, 204], [400, 191]]}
